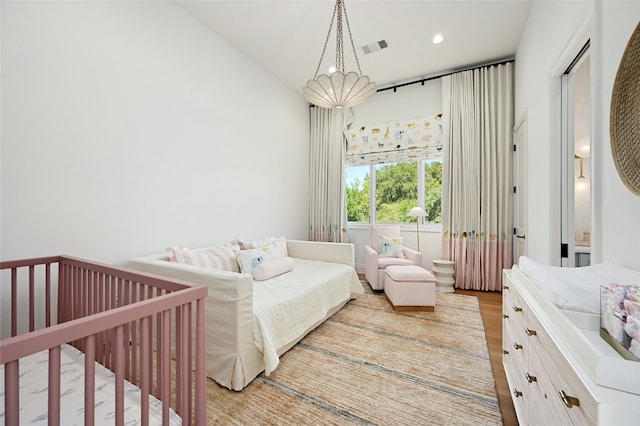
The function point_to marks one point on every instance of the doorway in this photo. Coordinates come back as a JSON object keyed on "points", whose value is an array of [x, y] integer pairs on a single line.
{"points": [[576, 162]]}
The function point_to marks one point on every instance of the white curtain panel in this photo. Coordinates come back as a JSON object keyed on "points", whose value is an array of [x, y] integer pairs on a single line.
{"points": [[477, 199], [327, 161]]}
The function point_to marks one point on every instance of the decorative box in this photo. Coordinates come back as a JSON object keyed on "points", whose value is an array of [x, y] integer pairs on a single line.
{"points": [[620, 319]]}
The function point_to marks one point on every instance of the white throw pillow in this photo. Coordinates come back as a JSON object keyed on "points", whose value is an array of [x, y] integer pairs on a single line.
{"points": [[249, 259], [390, 247], [272, 268]]}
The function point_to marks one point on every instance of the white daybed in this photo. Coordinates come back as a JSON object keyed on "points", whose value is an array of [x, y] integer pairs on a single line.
{"points": [[251, 323], [558, 367]]}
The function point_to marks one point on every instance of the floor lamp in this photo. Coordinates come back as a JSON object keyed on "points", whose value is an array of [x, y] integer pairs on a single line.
{"points": [[417, 212]]}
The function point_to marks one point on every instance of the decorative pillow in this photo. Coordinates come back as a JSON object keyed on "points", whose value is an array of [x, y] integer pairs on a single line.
{"points": [[218, 257], [280, 242], [249, 259], [272, 268], [390, 247]]}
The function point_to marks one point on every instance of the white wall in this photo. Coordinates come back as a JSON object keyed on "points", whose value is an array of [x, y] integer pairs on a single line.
{"points": [[128, 127], [407, 102], [620, 209], [553, 29]]}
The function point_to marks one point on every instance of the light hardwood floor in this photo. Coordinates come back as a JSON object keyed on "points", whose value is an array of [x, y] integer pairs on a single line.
{"points": [[491, 311]]}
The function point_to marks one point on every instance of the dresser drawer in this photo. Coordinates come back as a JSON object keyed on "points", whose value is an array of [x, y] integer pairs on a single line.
{"points": [[566, 383], [515, 363], [545, 407]]}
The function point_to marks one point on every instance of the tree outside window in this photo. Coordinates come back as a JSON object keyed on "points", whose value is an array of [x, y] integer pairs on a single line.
{"points": [[358, 193], [396, 191], [433, 191]]}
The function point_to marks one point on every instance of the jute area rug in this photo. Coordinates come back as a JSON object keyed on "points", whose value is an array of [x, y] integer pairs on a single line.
{"points": [[370, 365]]}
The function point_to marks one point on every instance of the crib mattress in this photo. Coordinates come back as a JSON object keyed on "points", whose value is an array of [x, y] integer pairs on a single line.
{"points": [[33, 393]]}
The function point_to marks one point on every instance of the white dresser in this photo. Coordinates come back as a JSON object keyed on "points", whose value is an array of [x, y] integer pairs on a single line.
{"points": [[549, 385]]}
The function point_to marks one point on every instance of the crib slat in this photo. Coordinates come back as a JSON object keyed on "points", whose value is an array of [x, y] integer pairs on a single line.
{"points": [[11, 395], [14, 302], [127, 331], [166, 366], [144, 370], [89, 380], [186, 367], [179, 359], [47, 295], [32, 297], [54, 386], [201, 390], [158, 340], [118, 352]]}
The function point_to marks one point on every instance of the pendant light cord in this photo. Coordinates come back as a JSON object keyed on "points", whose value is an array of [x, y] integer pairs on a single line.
{"points": [[326, 41], [338, 11], [353, 46]]}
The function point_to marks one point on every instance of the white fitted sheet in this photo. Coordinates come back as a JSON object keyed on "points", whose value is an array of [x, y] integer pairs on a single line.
{"points": [[33, 393]]}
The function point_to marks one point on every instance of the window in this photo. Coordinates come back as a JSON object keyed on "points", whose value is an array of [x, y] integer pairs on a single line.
{"points": [[433, 191], [392, 189], [358, 193]]}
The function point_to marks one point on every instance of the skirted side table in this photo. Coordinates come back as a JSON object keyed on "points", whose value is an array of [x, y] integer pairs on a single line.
{"points": [[443, 271]]}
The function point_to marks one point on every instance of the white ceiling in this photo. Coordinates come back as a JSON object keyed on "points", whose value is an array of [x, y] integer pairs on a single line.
{"points": [[286, 37]]}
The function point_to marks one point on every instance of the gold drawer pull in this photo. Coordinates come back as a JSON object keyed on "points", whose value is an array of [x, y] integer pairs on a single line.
{"points": [[505, 316], [569, 401], [505, 287], [517, 309], [517, 345], [505, 352], [517, 393], [530, 332], [531, 378]]}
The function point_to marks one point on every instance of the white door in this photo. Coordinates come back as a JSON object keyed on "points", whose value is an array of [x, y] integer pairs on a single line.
{"points": [[520, 188]]}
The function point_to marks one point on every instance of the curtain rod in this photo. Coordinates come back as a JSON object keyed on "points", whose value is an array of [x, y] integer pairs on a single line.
{"points": [[422, 80]]}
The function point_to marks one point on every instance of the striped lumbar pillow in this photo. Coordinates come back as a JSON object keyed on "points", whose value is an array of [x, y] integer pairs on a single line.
{"points": [[218, 257]]}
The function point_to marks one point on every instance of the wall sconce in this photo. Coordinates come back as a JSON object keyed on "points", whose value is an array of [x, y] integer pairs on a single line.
{"points": [[581, 176], [581, 183]]}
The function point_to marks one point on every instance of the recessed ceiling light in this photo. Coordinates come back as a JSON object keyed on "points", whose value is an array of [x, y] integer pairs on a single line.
{"points": [[437, 39]]}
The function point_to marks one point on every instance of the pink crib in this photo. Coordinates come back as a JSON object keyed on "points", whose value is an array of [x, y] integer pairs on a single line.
{"points": [[145, 331]]}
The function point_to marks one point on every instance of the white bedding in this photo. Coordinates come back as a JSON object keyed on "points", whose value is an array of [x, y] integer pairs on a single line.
{"points": [[576, 289], [33, 393], [284, 308]]}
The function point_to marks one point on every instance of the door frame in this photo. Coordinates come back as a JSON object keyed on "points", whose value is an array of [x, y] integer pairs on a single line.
{"points": [[519, 243], [565, 58]]}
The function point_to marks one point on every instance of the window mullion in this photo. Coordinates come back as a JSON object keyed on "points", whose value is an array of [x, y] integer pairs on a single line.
{"points": [[421, 186], [372, 194]]}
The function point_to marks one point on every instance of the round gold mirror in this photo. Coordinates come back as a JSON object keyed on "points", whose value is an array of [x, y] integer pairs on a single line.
{"points": [[624, 126]]}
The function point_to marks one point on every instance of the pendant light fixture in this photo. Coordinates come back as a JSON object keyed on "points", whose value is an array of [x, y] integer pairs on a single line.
{"points": [[339, 89]]}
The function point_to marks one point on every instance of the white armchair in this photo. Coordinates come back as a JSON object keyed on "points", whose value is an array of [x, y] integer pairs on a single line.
{"points": [[375, 265]]}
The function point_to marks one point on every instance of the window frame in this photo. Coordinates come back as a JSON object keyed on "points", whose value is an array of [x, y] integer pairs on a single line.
{"points": [[372, 199]]}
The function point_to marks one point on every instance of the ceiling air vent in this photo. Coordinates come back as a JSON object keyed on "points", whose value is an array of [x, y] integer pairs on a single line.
{"points": [[374, 47]]}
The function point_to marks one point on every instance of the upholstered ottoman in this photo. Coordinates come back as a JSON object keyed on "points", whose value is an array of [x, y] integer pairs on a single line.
{"points": [[410, 288]]}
